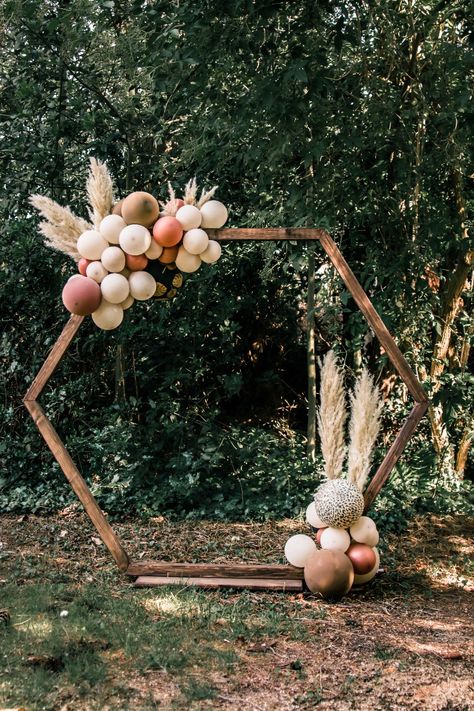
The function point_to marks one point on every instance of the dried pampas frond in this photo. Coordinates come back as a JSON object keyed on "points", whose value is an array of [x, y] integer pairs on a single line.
{"points": [[206, 195], [332, 416], [366, 408], [170, 207], [61, 227], [190, 192], [99, 191]]}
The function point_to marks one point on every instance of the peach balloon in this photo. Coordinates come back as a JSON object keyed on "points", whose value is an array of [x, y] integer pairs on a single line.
{"points": [[136, 262], [83, 264], [362, 558], [329, 573], [167, 231], [81, 296], [168, 255]]}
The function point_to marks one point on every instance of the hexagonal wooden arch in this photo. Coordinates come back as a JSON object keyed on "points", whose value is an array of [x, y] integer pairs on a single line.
{"points": [[278, 577]]}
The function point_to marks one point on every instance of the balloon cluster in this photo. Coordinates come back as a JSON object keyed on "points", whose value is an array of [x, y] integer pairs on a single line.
{"points": [[336, 558], [138, 252]]}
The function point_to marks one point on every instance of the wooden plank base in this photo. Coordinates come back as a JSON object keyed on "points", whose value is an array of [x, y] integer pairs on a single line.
{"points": [[216, 570], [145, 581]]}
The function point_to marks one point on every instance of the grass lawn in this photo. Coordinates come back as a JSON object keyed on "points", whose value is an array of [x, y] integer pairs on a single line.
{"points": [[81, 637]]}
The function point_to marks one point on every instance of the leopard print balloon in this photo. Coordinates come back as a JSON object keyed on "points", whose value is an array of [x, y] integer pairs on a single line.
{"points": [[338, 503]]}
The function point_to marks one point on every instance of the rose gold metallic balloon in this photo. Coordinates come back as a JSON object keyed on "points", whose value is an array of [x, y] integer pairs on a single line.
{"points": [[319, 534], [362, 557], [329, 573]]}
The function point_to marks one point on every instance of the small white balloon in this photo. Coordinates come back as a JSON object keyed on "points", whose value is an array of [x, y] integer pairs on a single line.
{"points": [[91, 244], [298, 549], [96, 271], [195, 241], [361, 579], [135, 239], [108, 316], [111, 227], [214, 214], [189, 216], [113, 258], [335, 539], [154, 251], [365, 531], [142, 285], [128, 302], [115, 288], [212, 253], [187, 262], [312, 517]]}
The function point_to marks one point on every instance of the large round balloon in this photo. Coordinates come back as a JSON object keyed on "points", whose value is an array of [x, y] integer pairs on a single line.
{"points": [[167, 231], [189, 216], [168, 279], [140, 209], [108, 316], [298, 549], [214, 214], [81, 295], [91, 244], [335, 539], [362, 558], [212, 253], [135, 239], [362, 579], [365, 531], [111, 227], [142, 285], [329, 573]]}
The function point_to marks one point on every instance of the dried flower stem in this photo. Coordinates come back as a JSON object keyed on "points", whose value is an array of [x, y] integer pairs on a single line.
{"points": [[332, 416], [366, 408]]}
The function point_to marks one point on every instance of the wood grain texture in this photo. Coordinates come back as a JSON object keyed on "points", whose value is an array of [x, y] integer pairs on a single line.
{"points": [[380, 329], [217, 570], [77, 483], [236, 234], [393, 454], [54, 357], [144, 581]]}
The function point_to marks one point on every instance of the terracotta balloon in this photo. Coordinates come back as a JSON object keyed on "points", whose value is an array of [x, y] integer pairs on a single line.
{"points": [[362, 558], [167, 231], [140, 208], [329, 573], [81, 295], [136, 262], [168, 255], [83, 264], [319, 534]]}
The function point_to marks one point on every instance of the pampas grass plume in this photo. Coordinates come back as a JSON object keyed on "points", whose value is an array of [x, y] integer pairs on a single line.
{"points": [[61, 227], [99, 191], [332, 416], [366, 408]]}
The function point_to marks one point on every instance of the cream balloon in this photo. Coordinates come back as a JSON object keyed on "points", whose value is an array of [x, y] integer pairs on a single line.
{"points": [[142, 285], [113, 258], [91, 244], [189, 216], [362, 579], [298, 549], [312, 517], [335, 539], [96, 271], [115, 288], [128, 302], [365, 531], [212, 253], [195, 241], [214, 214], [135, 239], [111, 227], [154, 251], [186, 262], [108, 316]]}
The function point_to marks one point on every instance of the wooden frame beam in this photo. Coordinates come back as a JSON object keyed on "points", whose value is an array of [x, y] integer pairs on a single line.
{"points": [[254, 576]]}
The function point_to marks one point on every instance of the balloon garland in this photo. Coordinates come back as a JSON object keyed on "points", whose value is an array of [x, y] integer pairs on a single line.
{"points": [[137, 248], [344, 550]]}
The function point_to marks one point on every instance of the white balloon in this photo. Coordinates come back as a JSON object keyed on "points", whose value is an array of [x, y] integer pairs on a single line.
{"points": [[187, 262], [111, 227], [91, 244], [189, 216], [128, 302], [361, 579], [135, 239], [108, 316], [298, 549], [212, 253], [312, 517], [96, 271], [335, 539], [115, 288], [214, 214], [113, 258], [195, 241], [365, 531], [154, 251], [142, 285]]}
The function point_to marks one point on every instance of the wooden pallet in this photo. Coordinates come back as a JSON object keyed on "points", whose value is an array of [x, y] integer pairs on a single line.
{"points": [[254, 577]]}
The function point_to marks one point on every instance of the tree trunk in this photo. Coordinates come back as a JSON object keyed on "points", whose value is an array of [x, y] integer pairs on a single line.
{"points": [[311, 354]]}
